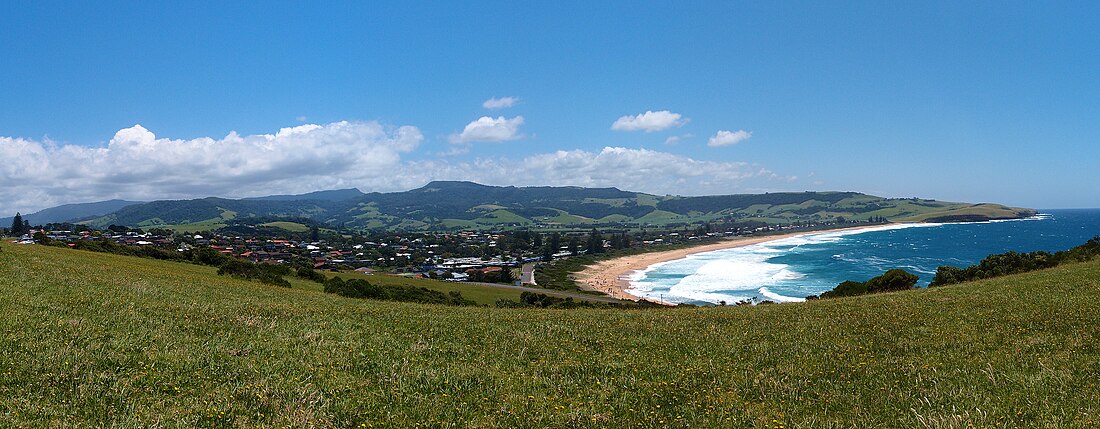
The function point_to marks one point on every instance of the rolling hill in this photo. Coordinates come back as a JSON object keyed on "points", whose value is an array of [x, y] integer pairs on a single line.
{"points": [[72, 212], [99, 340], [466, 205]]}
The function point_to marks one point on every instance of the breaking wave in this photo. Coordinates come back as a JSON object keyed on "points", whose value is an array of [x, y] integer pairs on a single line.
{"points": [[789, 269]]}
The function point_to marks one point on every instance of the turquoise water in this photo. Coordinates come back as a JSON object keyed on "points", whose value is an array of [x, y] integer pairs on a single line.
{"points": [[793, 268]]}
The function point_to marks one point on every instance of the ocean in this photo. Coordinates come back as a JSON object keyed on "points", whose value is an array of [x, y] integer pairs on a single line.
{"points": [[792, 268]]}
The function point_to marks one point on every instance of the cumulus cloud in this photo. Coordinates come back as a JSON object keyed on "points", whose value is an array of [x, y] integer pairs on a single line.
{"points": [[671, 140], [500, 103], [136, 164], [649, 121], [641, 170], [728, 138], [488, 129]]}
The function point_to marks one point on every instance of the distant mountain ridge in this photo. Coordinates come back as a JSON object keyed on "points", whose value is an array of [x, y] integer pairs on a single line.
{"points": [[333, 195], [452, 205], [72, 212]]}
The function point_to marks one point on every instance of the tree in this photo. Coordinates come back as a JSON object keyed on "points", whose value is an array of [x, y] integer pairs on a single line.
{"points": [[506, 275], [17, 225], [573, 245], [555, 242], [595, 242], [615, 242]]}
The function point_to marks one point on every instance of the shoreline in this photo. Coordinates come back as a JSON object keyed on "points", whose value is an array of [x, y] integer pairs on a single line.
{"points": [[611, 276]]}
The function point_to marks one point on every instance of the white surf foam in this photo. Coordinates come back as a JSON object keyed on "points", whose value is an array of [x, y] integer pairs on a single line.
{"points": [[777, 297], [744, 271], [1040, 216]]}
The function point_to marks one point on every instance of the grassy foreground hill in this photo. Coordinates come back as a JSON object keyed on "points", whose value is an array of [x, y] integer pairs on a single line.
{"points": [[97, 340]]}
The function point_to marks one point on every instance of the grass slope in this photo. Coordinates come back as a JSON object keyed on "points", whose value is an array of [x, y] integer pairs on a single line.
{"points": [[205, 225], [991, 211], [96, 340], [287, 226]]}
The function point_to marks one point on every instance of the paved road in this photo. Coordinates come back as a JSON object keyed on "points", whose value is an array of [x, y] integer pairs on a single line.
{"points": [[600, 298], [527, 274]]}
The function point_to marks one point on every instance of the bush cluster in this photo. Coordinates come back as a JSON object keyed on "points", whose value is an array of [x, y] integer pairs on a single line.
{"points": [[199, 256], [265, 273], [890, 281], [359, 288], [1003, 264], [309, 273], [539, 300], [106, 246]]}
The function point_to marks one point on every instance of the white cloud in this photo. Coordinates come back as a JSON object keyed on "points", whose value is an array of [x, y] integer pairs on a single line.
{"points": [[727, 138], [629, 169], [677, 139], [500, 103], [649, 121], [136, 164], [300, 118], [488, 129]]}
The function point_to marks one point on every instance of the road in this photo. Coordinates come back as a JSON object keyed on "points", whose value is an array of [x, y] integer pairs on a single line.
{"points": [[527, 274]]}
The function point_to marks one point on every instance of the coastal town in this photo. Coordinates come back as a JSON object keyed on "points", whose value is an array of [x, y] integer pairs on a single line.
{"points": [[461, 256]]}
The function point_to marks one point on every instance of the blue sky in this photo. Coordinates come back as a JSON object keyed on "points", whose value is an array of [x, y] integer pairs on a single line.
{"points": [[965, 101]]}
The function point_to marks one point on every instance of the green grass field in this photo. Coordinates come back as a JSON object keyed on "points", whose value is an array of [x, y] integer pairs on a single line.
{"points": [[287, 226], [99, 340], [205, 225]]}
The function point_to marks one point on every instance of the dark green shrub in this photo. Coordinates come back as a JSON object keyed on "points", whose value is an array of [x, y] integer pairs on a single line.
{"points": [[309, 273], [847, 288], [265, 273], [359, 288], [1003, 264], [891, 281]]}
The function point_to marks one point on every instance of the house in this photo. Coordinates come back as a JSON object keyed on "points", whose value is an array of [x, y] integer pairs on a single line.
{"points": [[459, 277]]}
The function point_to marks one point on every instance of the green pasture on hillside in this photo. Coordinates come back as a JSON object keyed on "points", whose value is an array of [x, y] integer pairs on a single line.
{"points": [[99, 340]]}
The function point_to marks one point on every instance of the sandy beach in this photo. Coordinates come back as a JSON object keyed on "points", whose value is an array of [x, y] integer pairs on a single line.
{"points": [[612, 276]]}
